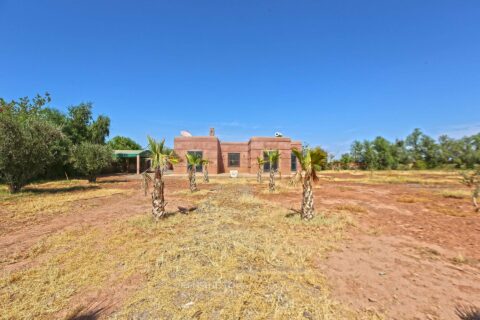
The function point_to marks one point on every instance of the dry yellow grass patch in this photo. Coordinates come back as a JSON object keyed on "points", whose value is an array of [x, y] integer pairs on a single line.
{"points": [[50, 198], [235, 257], [402, 177], [456, 194], [411, 199], [353, 208], [188, 193]]}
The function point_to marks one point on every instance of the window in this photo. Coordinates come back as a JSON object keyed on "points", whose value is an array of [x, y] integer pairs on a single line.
{"points": [[234, 159], [266, 164], [293, 165], [199, 167]]}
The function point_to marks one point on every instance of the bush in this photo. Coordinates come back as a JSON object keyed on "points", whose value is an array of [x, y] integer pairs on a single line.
{"points": [[28, 145], [90, 159]]}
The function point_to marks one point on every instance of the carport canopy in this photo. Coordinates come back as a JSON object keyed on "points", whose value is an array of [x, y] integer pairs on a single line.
{"points": [[123, 154]]}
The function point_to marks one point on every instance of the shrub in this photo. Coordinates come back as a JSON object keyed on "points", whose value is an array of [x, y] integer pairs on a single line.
{"points": [[28, 145], [90, 159]]}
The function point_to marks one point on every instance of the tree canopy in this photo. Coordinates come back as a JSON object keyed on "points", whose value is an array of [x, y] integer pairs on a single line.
{"points": [[123, 143], [417, 151]]}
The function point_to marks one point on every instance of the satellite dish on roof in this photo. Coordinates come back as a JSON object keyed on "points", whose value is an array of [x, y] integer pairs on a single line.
{"points": [[278, 134], [185, 133]]}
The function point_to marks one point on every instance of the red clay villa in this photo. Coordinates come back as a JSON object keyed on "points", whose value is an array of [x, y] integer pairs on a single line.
{"points": [[240, 156]]}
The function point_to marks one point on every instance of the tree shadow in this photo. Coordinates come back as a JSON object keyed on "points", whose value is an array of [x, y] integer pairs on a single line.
{"points": [[111, 181], [89, 315], [59, 190], [467, 312], [293, 213]]}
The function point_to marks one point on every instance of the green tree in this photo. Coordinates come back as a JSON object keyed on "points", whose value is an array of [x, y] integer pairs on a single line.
{"points": [[369, 156], [27, 148], [383, 151], [161, 158], [345, 161], [28, 142], [356, 151], [310, 162], [430, 152], [413, 144], [90, 159], [123, 143], [80, 126]]}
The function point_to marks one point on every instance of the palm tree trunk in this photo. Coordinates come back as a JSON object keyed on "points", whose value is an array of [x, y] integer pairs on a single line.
{"points": [[271, 183], [259, 174], [475, 194], [205, 174], [307, 200], [158, 196], [191, 177]]}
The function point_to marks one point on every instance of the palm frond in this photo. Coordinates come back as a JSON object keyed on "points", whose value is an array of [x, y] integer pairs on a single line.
{"points": [[146, 180], [299, 155]]}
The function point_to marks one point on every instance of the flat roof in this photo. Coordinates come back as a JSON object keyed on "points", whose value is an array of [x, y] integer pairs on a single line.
{"points": [[130, 153]]}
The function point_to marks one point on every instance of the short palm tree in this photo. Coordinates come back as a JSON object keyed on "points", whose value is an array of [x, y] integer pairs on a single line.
{"points": [[205, 164], [193, 160], [273, 157], [161, 157], [472, 181], [310, 162], [260, 163]]}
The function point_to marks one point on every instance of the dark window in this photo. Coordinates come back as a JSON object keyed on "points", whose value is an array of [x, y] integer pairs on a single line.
{"points": [[266, 164], [198, 168], [293, 166], [234, 159]]}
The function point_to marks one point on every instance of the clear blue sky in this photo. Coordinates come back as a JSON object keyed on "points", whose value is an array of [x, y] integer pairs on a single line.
{"points": [[324, 72]]}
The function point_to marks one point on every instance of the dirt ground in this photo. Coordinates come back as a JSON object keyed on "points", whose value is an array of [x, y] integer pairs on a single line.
{"points": [[383, 245]]}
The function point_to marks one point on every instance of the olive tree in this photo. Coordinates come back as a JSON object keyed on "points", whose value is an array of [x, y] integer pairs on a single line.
{"points": [[28, 144], [89, 159]]}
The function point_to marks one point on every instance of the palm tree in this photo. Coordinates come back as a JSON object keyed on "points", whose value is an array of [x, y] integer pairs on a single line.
{"points": [[205, 164], [193, 160], [310, 161], [260, 163], [273, 157], [472, 181], [161, 156]]}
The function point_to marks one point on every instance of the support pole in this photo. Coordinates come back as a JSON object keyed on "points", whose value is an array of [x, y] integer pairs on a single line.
{"points": [[138, 164]]}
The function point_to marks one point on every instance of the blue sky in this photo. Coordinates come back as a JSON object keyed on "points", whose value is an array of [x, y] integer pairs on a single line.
{"points": [[324, 72]]}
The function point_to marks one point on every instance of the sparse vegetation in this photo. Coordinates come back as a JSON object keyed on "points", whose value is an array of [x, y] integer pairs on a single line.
{"points": [[193, 160], [205, 163], [273, 157], [472, 180], [310, 162], [160, 158], [260, 163]]}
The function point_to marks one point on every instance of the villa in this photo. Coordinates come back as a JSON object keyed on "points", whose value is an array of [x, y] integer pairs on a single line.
{"points": [[239, 156]]}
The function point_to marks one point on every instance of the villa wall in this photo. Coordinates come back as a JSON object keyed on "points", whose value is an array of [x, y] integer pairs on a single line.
{"points": [[217, 152], [208, 145]]}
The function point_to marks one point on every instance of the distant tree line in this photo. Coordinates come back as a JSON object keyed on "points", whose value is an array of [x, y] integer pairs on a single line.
{"points": [[416, 151], [39, 142]]}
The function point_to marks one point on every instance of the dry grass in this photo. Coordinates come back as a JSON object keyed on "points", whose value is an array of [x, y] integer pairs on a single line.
{"points": [[188, 193], [49, 199], [398, 177], [411, 199], [236, 257], [455, 193], [352, 208]]}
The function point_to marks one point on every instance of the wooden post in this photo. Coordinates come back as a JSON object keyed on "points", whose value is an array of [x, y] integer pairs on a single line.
{"points": [[138, 164]]}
